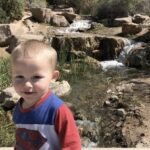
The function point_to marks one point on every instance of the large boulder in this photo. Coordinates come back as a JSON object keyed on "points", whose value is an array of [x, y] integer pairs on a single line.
{"points": [[46, 15], [110, 48], [139, 57], [5, 34], [41, 14], [106, 47], [59, 21], [75, 42], [71, 16], [15, 40], [139, 18], [131, 28]]}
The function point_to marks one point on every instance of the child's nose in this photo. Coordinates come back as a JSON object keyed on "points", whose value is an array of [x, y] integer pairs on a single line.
{"points": [[28, 84]]}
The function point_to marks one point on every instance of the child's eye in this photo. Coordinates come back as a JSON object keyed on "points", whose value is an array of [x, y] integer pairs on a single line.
{"points": [[37, 77], [19, 77]]}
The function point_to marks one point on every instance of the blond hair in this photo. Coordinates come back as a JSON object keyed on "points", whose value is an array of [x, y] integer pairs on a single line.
{"points": [[35, 48]]}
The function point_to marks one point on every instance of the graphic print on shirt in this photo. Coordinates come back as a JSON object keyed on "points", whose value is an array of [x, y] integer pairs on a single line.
{"points": [[29, 139]]}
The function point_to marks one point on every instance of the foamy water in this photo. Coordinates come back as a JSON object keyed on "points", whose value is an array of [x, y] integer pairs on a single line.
{"points": [[78, 25]]}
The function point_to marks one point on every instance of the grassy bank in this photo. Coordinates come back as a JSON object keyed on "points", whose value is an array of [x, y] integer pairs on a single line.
{"points": [[5, 79]]}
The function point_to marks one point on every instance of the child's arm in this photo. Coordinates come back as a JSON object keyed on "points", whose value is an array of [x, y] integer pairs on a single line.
{"points": [[66, 129]]}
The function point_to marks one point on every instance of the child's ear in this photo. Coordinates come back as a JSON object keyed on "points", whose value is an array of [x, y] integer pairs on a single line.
{"points": [[55, 75]]}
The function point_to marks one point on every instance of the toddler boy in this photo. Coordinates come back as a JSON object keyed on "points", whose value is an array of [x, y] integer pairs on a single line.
{"points": [[43, 121]]}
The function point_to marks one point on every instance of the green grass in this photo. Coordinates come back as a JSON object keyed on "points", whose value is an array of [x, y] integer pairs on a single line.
{"points": [[5, 79], [7, 129], [6, 125], [78, 69]]}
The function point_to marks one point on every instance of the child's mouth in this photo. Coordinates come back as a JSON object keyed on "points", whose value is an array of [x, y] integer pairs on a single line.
{"points": [[28, 93]]}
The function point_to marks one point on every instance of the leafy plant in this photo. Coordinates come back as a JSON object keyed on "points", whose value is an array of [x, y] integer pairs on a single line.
{"points": [[11, 10]]}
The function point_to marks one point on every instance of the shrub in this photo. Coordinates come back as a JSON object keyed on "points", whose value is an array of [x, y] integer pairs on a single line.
{"points": [[37, 3], [3, 16], [11, 10], [142, 6], [120, 8], [83, 6], [112, 8]]}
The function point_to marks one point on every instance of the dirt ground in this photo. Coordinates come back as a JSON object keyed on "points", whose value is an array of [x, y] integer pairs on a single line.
{"points": [[145, 111], [135, 100]]}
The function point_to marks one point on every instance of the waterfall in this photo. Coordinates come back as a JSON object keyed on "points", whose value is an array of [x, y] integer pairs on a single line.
{"points": [[77, 25], [119, 62], [129, 45]]}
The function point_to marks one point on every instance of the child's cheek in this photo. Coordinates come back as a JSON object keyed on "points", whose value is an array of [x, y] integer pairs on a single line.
{"points": [[41, 87], [17, 83], [38, 85]]}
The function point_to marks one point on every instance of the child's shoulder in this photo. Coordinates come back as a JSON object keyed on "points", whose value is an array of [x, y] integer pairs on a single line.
{"points": [[54, 101]]}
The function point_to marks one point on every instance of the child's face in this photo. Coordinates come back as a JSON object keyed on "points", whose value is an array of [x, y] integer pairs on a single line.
{"points": [[31, 78]]}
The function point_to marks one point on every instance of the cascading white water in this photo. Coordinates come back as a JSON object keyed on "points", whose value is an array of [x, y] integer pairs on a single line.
{"points": [[111, 64], [120, 61], [77, 25], [129, 45]]}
